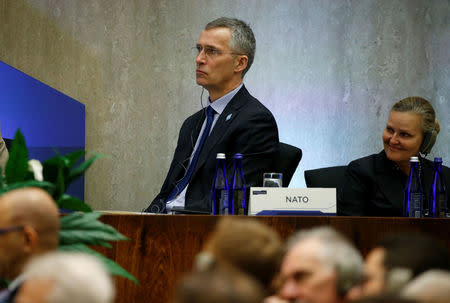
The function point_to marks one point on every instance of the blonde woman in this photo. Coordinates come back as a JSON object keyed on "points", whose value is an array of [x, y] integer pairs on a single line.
{"points": [[374, 184]]}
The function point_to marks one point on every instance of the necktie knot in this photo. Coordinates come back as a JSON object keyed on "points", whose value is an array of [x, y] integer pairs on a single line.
{"points": [[209, 112]]}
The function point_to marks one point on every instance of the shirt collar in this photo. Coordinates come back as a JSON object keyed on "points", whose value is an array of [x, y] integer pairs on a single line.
{"points": [[16, 282], [220, 104]]}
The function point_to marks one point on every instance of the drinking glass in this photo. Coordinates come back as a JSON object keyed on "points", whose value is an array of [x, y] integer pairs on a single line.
{"points": [[273, 180]]}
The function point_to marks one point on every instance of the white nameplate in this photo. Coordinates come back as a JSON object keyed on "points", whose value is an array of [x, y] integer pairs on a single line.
{"points": [[292, 201]]}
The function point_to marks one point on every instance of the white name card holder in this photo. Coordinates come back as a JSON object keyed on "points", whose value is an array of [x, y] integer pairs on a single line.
{"points": [[270, 201]]}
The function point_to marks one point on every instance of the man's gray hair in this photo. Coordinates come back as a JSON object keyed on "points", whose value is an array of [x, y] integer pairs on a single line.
{"points": [[337, 252], [75, 277], [242, 38], [430, 286]]}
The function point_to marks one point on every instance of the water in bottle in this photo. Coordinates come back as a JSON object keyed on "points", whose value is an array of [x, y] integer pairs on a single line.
{"points": [[219, 195], [239, 196], [412, 205], [437, 200]]}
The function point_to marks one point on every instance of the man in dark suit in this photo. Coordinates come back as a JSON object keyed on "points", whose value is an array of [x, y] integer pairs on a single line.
{"points": [[233, 122]]}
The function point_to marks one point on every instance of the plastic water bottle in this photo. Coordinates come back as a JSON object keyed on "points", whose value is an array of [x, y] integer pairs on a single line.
{"points": [[239, 196], [437, 206], [219, 195], [412, 204]]}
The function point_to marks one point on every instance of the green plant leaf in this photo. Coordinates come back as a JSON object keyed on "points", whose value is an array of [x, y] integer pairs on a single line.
{"points": [[60, 184], [75, 219], [113, 267], [74, 157], [86, 229], [56, 170], [73, 203], [80, 169], [51, 168], [17, 166]]}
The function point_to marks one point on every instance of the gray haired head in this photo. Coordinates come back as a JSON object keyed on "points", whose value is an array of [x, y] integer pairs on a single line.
{"points": [[337, 252], [242, 38], [430, 286], [75, 277]]}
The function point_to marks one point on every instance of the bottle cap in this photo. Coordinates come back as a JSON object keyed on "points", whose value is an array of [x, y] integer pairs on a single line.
{"points": [[238, 156], [414, 159], [437, 159], [220, 156]]}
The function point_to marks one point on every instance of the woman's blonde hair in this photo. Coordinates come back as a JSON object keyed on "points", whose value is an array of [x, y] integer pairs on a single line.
{"points": [[422, 107], [430, 124]]}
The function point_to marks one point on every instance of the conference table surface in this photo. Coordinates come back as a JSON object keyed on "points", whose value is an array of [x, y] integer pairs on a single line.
{"points": [[162, 247]]}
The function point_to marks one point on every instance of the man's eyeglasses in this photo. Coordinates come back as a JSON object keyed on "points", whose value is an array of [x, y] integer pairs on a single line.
{"points": [[210, 52], [4, 231]]}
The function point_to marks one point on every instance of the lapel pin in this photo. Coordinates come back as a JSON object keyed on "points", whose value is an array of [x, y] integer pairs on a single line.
{"points": [[228, 117]]}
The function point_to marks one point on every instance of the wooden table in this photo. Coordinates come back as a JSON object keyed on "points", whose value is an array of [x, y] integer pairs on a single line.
{"points": [[163, 247]]}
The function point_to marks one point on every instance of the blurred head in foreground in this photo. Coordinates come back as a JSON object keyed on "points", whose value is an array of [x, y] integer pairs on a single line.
{"points": [[219, 286], [385, 299], [432, 286], [246, 244], [320, 266], [29, 225], [66, 278], [398, 258]]}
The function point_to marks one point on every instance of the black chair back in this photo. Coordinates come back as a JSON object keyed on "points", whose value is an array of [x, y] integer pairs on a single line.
{"points": [[328, 177], [286, 161]]}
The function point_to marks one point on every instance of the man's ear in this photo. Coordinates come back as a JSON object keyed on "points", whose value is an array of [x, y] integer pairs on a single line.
{"points": [[241, 63], [31, 238]]}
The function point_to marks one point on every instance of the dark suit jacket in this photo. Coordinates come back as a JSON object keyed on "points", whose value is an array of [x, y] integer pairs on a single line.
{"points": [[250, 129], [9, 295], [374, 186]]}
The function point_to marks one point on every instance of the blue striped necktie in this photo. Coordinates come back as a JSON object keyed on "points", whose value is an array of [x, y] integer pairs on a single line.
{"points": [[182, 184]]}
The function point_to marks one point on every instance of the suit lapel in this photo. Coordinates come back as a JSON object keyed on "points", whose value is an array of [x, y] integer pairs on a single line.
{"points": [[188, 138], [225, 121], [388, 181]]}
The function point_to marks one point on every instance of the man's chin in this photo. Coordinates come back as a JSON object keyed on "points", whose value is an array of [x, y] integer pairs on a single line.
{"points": [[201, 82]]}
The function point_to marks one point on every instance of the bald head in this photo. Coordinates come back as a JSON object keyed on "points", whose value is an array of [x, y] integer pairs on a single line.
{"points": [[35, 211], [33, 207]]}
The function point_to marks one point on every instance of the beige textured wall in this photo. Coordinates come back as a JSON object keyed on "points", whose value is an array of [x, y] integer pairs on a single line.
{"points": [[329, 70]]}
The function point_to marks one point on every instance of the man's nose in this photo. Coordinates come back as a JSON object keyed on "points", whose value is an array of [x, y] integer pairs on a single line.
{"points": [[290, 291], [200, 57]]}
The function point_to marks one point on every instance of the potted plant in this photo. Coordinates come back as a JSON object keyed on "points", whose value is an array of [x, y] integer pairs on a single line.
{"points": [[80, 226]]}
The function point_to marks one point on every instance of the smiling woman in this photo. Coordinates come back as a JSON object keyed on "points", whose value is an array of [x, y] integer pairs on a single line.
{"points": [[374, 184], [402, 138]]}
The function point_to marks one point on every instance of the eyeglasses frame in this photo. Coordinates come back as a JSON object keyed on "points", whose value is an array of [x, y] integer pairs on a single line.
{"points": [[4, 231]]}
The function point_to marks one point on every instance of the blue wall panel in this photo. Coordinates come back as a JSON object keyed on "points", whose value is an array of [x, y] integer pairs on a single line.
{"points": [[48, 119]]}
